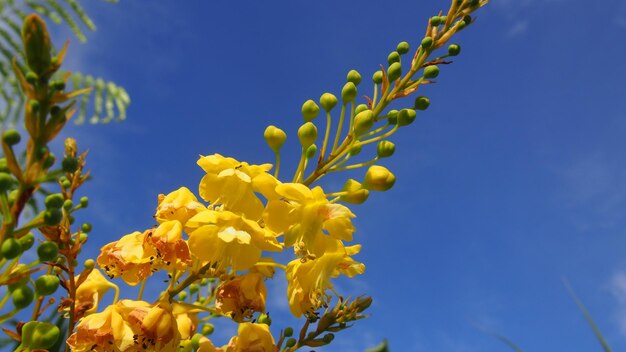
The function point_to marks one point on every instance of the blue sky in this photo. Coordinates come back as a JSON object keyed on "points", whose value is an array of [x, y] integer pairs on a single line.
{"points": [[514, 179]]}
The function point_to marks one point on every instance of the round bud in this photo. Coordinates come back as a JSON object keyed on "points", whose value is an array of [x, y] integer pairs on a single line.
{"points": [[89, 264], [310, 151], [182, 296], [69, 164], [31, 77], [422, 103], [394, 56], [406, 117], [12, 196], [461, 25], [37, 335], [193, 288], [84, 202], [360, 108], [34, 105], [195, 341], [207, 329], [310, 110], [431, 71], [356, 194], [204, 282], [394, 72], [52, 217], [435, 21], [86, 228], [264, 319], [454, 49], [6, 182], [354, 76], [11, 137], [392, 117], [403, 48], [58, 85], [328, 338], [363, 122], [328, 101], [54, 201], [356, 150], [4, 165], [378, 178], [83, 237], [385, 149], [66, 184], [68, 204], [27, 241], [46, 285], [348, 93], [444, 18], [290, 342], [11, 248], [427, 42], [288, 331], [307, 134], [71, 219], [47, 251], [22, 296], [377, 77], [50, 160]]}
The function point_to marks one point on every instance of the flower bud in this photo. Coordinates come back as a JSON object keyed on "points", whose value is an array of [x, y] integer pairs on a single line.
{"points": [[307, 134], [84, 202], [403, 48], [11, 137], [290, 342], [4, 165], [204, 282], [378, 178], [193, 288], [182, 296], [47, 251], [355, 150], [34, 105], [377, 77], [50, 160], [328, 338], [68, 204], [356, 194], [264, 319], [328, 101], [10, 248], [86, 227], [46, 285], [385, 149], [38, 335], [406, 117], [454, 49], [392, 117], [363, 122], [22, 296], [54, 201], [66, 183], [195, 341], [31, 77], [37, 47], [348, 93], [52, 217], [427, 42], [422, 103], [207, 329], [360, 108], [6, 181], [431, 71], [27, 241], [310, 110], [89, 264], [354, 76], [57, 85], [12, 196], [445, 18], [394, 56], [288, 331], [394, 72], [310, 151], [69, 164], [435, 21], [83, 237]]}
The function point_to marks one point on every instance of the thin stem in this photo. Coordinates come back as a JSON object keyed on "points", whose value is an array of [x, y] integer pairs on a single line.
{"points": [[326, 136], [141, 289], [339, 127], [277, 164]]}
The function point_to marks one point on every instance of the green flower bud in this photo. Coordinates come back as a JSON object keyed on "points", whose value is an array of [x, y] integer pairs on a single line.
{"points": [[69, 164], [328, 338], [50, 160], [193, 288], [4, 165], [68, 204], [83, 237], [348, 93], [11, 137], [328, 101], [6, 182], [84, 202], [47, 251], [435, 21], [307, 134], [182, 296], [427, 42], [89, 264], [11, 248], [354, 76], [37, 46], [310, 110], [360, 108], [207, 329], [290, 342], [46, 285], [474, 3], [431, 71], [377, 77], [422, 103], [403, 48], [288, 332], [31, 77], [204, 282], [363, 122], [378, 178], [444, 18], [392, 117], [195, 341], [58, 85], [52, 217], [355, 150], [71, 219], [34, 105], [356, 194], [22, 296], [37, 335], [86, 228], [394, 72], [12, 196], [406, 117], [264, 319], [454, 49], [394, 56], [462, 24], [54, 201], [311, 151], [66, 184], [55, 110], [385, 149], [26, 241]]}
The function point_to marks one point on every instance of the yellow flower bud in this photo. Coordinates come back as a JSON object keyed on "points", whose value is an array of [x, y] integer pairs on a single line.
{"points": [[354, 76], [307, 134], [37, 46], [311, 151], [394, 72], [363, 122], [38, 335], [310, 110], [348, 93], [356, 194], [275, 137], [385, 149], [378, 178], [328, 101]]}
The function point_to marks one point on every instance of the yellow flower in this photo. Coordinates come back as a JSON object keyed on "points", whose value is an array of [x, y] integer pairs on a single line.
{"points": [[90, 292], [178, 205], [105, 332], [171, 250], [229, 239], [206, 345], [308, 280], [252, 338], [129, 257], [186, 319], [304, 214], [233, 184], [154, 325], [240, 297]]}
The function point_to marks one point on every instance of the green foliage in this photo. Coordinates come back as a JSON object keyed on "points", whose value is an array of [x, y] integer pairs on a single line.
{"points": [[106, 102]]}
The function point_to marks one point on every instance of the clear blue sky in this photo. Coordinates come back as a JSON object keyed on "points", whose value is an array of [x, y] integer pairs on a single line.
{"points": [[514, 179]]}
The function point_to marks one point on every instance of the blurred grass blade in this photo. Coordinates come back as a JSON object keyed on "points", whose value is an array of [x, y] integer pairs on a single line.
{"points": [[501, 338], [381, 347]]}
